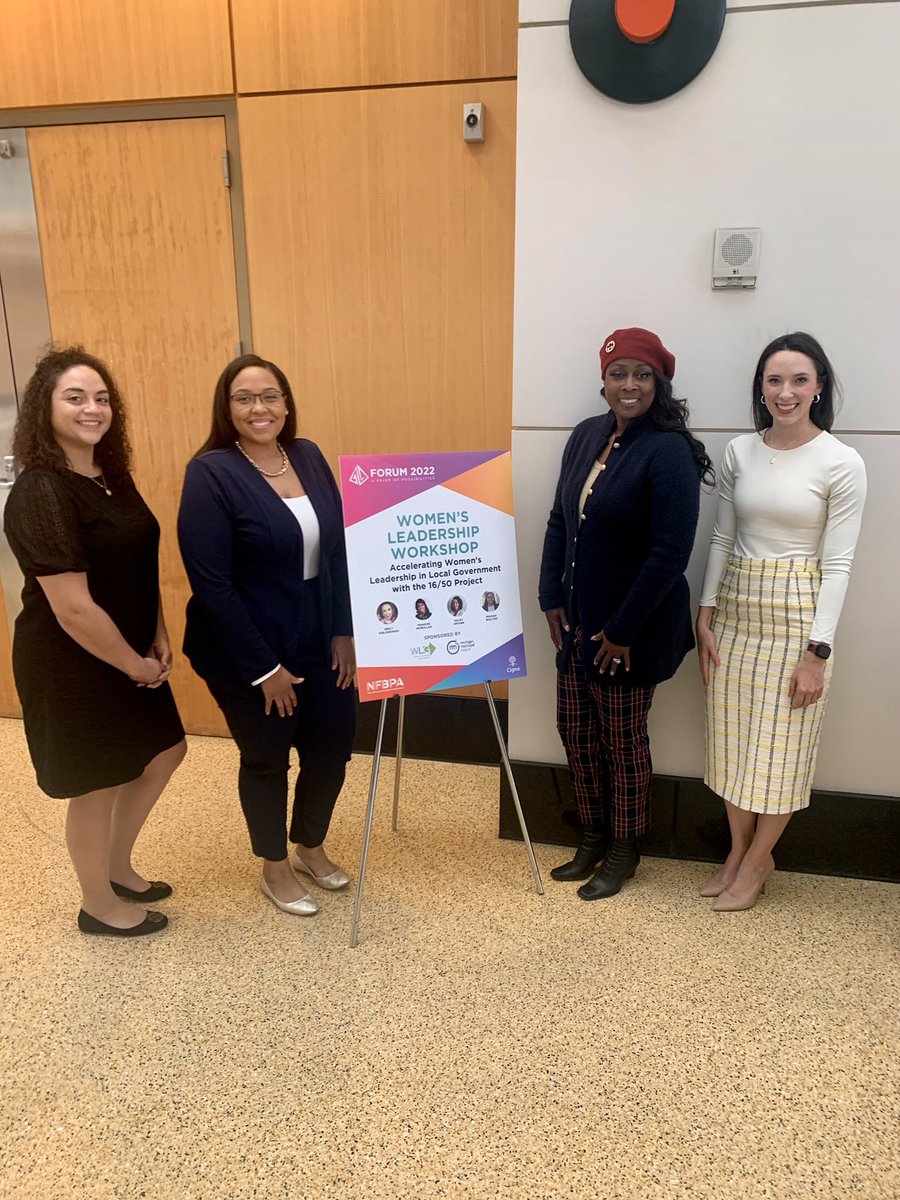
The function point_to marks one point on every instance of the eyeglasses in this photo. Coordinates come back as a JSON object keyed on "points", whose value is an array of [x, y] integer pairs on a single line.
{"points": [[269, 397]]}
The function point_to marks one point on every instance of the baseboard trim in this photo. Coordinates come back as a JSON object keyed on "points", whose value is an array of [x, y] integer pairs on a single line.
{"points": [[841, 833]]}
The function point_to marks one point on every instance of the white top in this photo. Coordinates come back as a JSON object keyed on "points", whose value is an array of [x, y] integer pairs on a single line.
{"points": [[805, 502], [301, 507]]}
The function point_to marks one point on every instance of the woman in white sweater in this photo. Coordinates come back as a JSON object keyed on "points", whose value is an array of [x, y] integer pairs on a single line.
{"points": [[790, 503]]}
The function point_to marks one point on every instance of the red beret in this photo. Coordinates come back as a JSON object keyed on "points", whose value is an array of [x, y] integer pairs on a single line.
{"points": [[640, 344]]}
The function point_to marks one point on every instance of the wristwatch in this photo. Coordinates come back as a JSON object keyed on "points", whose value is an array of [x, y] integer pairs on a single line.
{"points": [[820, 649]]}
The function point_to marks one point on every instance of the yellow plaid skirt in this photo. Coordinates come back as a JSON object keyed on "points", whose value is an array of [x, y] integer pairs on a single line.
{"points": [[760, 752]]}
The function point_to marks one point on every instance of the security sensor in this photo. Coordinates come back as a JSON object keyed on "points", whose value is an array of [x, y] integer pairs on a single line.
{"points": [[736, 258], [473, 122]]}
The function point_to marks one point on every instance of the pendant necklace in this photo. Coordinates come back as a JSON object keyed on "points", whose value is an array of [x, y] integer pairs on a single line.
{"points": [[781, 449], [100, 482], [97, 479], [285, 463]]}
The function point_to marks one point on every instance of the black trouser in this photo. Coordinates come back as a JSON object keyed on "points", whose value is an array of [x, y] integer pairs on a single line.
{"points": [[321, 728]]}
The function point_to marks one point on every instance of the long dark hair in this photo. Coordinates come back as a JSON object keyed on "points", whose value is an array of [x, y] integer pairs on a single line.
{"points": [[33, 442], [830, 396], [223, 433], [670, 412]]}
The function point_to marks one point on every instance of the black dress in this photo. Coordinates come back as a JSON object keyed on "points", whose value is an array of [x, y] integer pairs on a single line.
{"points": [[87, 724]]}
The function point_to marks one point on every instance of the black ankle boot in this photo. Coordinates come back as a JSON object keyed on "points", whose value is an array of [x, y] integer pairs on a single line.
{"points": [[620, 864], [591, 849]]}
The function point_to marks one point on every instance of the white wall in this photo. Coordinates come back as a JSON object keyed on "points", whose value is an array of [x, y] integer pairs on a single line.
{"points": [[789, 127]]}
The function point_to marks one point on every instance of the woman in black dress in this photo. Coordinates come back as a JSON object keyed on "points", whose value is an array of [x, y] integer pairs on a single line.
{"points": [[91, 654]]}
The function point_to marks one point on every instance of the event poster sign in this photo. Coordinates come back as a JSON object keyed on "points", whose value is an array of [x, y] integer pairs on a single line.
{"points": [[433, 578]]}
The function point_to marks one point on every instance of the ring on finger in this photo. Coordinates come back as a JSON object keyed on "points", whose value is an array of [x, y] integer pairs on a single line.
{"points": [[617, 660]]}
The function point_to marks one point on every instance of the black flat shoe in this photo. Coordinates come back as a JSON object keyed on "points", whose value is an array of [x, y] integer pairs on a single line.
{"points": [[156, 891], [620, 864], [152, 923]]}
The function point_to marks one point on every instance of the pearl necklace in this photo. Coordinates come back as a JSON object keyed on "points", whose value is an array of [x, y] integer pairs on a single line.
{"points": [[285, 462]]}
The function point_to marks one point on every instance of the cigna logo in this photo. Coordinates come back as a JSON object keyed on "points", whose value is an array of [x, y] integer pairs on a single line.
{"points": [[513, 668], [358, 476], [384, 685]]}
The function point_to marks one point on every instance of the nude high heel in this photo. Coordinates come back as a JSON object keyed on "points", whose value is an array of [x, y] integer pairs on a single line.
{"points": [[713, 887], [728, 903]]}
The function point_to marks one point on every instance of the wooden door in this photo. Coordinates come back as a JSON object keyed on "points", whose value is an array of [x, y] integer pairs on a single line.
{"points": [[380, 249], [136, 241], [9, 700]]}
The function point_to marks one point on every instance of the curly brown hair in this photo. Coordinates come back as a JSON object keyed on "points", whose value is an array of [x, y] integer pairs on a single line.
{"points": [[33, 442]]}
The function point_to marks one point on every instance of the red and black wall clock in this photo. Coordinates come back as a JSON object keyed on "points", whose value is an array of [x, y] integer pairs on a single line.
{"points": [[639, 51]]}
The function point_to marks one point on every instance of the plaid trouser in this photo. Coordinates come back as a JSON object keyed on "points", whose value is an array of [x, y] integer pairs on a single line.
{"points": [[604, 731]]}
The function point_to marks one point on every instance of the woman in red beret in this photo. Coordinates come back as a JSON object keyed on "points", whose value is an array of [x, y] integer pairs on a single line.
{"points": [[613, 590]]}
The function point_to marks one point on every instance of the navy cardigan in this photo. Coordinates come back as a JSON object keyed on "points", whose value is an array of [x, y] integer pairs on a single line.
{"points": [[243, 551], [621, 568]]}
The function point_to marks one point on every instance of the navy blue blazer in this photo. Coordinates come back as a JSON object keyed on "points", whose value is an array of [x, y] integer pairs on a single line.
{"points": [[243, 551], [621, 569]]}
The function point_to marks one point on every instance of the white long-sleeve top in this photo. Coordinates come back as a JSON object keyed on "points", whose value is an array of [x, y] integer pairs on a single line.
{"points": [[806, 502]]}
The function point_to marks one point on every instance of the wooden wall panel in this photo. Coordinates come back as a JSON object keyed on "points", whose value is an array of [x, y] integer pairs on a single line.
{"points": [[293, 45], [58, 52], [9, 699], [136, 240], [380, 250]]}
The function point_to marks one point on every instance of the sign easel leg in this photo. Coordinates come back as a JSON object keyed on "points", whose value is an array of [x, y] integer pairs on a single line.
{"points": [[539, 887], [399, 764], [367, 833]]}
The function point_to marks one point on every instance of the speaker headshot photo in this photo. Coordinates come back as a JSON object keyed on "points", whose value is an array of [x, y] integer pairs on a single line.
{"points": [[490, 601], [423, 612], [387, 612], [456, 606]]}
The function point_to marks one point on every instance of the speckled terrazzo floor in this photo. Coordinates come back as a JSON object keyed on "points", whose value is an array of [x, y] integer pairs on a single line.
{"points": [[480, 1042]]}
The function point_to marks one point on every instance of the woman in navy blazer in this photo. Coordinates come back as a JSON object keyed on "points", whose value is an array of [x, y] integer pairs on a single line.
{"points": [[268, 624], [613, 590]]}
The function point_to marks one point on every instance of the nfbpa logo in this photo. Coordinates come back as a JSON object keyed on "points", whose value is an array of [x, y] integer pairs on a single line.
{"points": [[384, 685], [358, 476]]}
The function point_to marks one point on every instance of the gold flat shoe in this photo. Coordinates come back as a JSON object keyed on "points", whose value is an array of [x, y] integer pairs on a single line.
{"points": [[305, 907], [333, 883]]}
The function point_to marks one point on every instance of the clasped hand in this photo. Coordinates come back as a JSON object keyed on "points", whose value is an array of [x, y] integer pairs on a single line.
{"points": [[157, 665]]}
